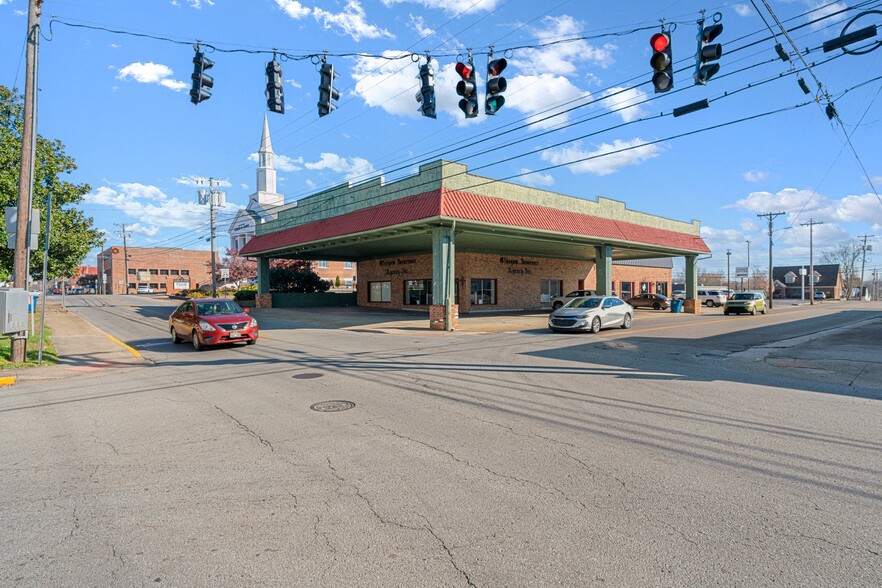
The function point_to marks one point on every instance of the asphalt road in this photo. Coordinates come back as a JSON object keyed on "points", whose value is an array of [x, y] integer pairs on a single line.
{"points": [[686, 451]]}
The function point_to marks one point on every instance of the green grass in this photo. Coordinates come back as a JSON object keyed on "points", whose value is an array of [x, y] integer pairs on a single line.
{"points": [[50, 357]]}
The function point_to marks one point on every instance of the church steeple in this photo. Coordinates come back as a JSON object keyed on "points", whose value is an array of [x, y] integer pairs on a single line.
{"points": [[266, 174]]}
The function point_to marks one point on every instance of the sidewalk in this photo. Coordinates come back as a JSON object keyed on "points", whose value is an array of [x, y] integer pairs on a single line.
{"points": [[81, 348]]}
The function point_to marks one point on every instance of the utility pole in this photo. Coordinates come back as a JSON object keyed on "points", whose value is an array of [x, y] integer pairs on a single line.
{"points": [[863, 264], [124, 234], [811, 225], [771, 216], [212, 198], [748, 264], [26, 171]]}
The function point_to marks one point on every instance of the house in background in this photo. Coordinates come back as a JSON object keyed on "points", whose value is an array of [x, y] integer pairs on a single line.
{"points": [[789, 281]]}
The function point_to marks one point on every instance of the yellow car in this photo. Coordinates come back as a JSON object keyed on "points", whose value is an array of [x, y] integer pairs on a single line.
{"points": [[750, 302]]}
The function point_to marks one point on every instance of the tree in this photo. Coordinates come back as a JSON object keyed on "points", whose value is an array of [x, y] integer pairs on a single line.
{"points": [[72, 233], [846, 255], [295, 275], [241, 268]]}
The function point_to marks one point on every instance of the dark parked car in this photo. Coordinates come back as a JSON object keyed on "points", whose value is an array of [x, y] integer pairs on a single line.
{"points": [[654, 301], [212, 321]]}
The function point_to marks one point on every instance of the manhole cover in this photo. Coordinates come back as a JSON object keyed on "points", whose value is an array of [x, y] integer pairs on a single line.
{"points": [[332, 406], [306, 376]]}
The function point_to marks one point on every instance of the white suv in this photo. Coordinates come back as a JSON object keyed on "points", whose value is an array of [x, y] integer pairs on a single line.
{"points": [[711, 298]]}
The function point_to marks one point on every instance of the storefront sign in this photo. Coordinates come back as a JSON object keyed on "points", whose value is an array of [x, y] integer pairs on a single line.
{"points": [[511, 262], [387, 263]]}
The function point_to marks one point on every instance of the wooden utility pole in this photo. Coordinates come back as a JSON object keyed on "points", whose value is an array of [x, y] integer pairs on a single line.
{"points": [[124, 234], [863, 264], [811, 225], [26, 173], [771, 216]]}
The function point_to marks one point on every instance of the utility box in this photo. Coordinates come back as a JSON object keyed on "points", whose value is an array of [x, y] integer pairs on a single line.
{"points": [[13, 310]]}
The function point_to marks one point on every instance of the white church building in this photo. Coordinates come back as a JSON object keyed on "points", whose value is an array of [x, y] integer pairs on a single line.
{"points": [[262, 204]]}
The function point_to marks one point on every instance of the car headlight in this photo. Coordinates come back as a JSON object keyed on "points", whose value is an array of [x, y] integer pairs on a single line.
{"points": [[206, 326], [584, 315], [253, 323]]}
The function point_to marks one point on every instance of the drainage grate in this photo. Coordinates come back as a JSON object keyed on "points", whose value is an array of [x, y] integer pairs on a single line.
{"points": [[306, 376], [332, 406]]}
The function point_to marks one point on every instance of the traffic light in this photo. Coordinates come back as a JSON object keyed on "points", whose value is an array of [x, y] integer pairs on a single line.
{"points": [[327, 92], [496, 85], [201, 80], [275, 94], [707, 52], [662, 62], [426, 95], [467, 88]]}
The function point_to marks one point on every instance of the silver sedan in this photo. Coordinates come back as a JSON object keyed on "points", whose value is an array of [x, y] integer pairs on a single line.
{"points": [[591, 313]]}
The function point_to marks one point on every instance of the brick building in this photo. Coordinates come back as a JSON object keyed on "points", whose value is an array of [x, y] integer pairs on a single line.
{"points": [[166, 270], [454, 241]]}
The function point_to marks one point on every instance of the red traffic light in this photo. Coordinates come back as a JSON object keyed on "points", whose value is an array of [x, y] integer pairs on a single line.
{"points": [[115, 249], [659, 41], [463, 70]]}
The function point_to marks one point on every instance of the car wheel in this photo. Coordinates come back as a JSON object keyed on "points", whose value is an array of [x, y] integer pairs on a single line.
{"points": [[595, 325], [197, 342], [726, 312], [709, 303], [250, 341], [174, 336], [626, 322], [763, 311], [753, 311], [656, 306], [556, 305]]}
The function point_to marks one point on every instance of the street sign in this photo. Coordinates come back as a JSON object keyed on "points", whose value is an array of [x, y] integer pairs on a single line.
{"points": [[225, 274], [11, 226], [741, 272]]}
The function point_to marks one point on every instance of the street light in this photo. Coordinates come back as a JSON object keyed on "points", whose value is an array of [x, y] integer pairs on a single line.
{"points": [[728, 276]]}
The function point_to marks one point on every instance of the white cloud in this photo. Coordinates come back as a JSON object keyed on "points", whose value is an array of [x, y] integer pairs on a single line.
{"points": [[535, 178], [605, 159], [823, 8], [418, 24], [456, 7], [742, 9], [17, 12], [354, 168], [151, 73], [392, 84], [755, 176], [114, 46], [293, 8], [561, 58], [294, 83], [149, 205], [625, 102], [351, 21], [537, 95]]}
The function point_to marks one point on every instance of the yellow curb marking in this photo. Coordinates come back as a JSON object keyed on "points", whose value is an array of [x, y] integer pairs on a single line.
{"points": [[7, 381], [132, 350]]}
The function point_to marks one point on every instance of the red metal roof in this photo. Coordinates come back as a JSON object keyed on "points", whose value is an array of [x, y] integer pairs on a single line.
{"points": [[468, 206]]}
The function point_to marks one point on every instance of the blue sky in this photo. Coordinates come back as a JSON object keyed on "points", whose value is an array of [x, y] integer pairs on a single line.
{"points": [[120, 105]]}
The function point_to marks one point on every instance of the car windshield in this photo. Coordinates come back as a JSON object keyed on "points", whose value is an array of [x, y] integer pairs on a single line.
{"points": [[585, 303], [219, 307], [743, 296]]}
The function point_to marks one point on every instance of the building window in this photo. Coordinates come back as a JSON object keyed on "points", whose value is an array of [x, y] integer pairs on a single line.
{"points": [[185, 272], [321, 264], [173, 272], [132, 272], [627, 290], [153, 285], [483, 292], [162, 286], [550, 289], [644, 287], [661, 288], [163, 272], [816, 277], [154, 272], [133, 286], [418, 292], [347, 265], [380, 292]]}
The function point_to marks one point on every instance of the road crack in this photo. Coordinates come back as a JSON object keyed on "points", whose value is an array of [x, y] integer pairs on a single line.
{"points": [[244, 427]]}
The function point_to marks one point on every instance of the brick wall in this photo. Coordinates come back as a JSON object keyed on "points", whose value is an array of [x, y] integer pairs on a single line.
{"points": [[518, 279]]}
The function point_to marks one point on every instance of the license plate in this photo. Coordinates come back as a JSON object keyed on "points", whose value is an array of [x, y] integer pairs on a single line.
{"points": [[234, 334]]}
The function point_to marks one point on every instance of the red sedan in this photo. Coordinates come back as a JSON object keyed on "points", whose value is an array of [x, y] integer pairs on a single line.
{"points": [[212, 321]]}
